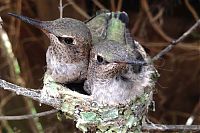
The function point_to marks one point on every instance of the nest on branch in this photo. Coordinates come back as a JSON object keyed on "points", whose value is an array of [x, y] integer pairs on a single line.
{"points": [[90, 116]]}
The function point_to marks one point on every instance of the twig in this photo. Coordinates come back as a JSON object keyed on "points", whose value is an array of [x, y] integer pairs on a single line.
{"points": [[142, 29], [78, 9], [5, 100], [35, 125], [33, 94], [158, 15], [155, 26], [194, 114], [173, 43], [61, 7], [137, 24], [2, 8], [22, 117], [191, 9], [6, 125], [113, 7], [98, 4], [160, 127], [119, 5], [9, 56]]}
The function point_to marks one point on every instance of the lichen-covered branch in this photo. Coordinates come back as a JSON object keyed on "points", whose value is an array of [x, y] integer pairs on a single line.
{"points": [[33, 94]]}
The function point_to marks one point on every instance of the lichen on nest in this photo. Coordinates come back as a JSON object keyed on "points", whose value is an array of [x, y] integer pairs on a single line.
{"points": [[90, 116]]}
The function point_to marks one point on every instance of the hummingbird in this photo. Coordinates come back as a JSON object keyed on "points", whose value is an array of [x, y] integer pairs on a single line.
{"points": [[68, 52], [119, 68]]}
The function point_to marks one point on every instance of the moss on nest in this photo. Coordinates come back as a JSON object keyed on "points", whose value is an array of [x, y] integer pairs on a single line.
{"points": [[90, 116]]}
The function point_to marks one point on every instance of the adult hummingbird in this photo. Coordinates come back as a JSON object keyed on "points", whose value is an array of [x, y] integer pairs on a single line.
{"points": [[119, 68], [68, 52]]}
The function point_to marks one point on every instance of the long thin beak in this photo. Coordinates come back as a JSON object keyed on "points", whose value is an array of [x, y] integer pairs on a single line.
{"points": [[133, 62], [39, 24]]}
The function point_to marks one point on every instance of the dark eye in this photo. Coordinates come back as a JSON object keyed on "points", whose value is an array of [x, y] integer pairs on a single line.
{"points": [[100, 60], [66, 40]]}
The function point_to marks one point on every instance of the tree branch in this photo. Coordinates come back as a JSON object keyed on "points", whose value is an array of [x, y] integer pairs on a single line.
{"points": [[113, 7], [98, 4], [194, 114], [78, 9], [191, 9], [119, 5], [61, 7], [173, 43], [31, 93], [160, 127], [22, 117]]}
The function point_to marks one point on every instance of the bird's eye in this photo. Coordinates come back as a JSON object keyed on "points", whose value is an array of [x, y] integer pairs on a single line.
{"points": [[66, 40], [100, 60]]}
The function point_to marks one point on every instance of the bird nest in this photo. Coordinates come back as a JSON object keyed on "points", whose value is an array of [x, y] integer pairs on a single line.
{"points": [[90, 116]]}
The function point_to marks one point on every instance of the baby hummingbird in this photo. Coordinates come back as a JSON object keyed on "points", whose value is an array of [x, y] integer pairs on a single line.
{"points": [[68, 52], [119, 69]]}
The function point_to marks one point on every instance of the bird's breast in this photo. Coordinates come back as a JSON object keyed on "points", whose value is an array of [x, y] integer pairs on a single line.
{"points": [[112, 91], [66, 72]]}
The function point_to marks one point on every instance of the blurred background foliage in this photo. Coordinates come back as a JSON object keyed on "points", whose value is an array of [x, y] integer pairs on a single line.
{"points": [[153, 23]]}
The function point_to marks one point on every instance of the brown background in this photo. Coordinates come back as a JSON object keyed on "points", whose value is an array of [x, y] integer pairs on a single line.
{"points": [[177, 91]]}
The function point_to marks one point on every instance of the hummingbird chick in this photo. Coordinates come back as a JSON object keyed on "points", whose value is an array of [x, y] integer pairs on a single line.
{"points": [[68, 52], [119, 68], [108, 78]]}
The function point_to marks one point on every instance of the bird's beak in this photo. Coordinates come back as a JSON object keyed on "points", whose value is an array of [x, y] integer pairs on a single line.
{"points": [[39, 24], [136, 62]]}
